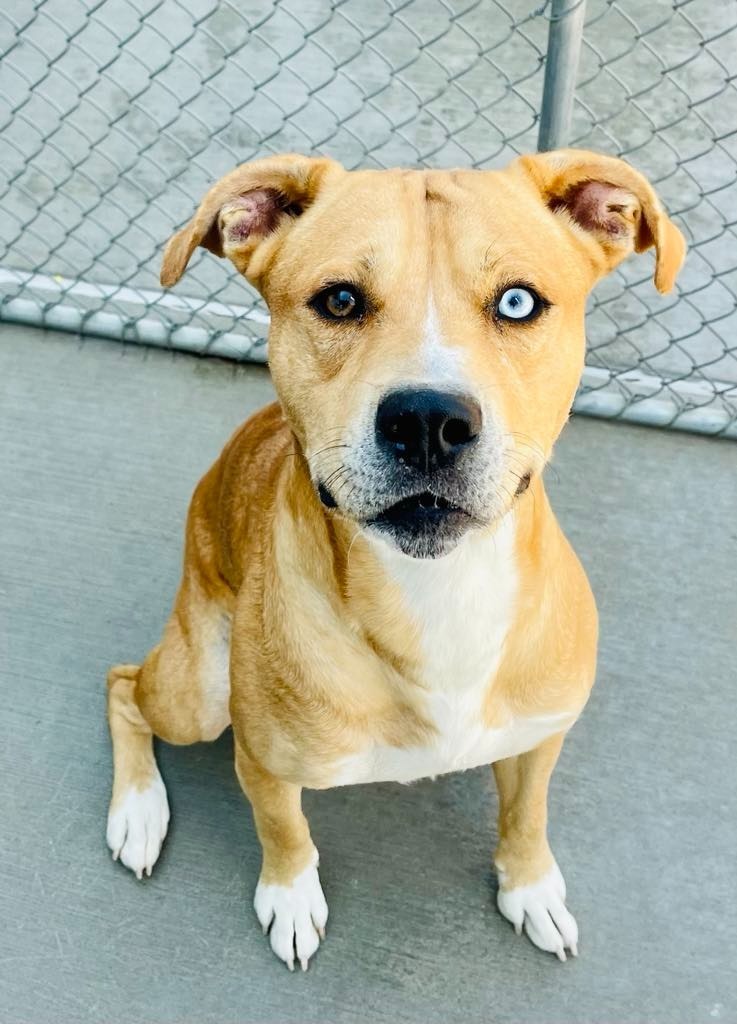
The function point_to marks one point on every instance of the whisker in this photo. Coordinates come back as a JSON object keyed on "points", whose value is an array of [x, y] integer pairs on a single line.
{"points": [[354, 538], [328, 482], [327, 448]]}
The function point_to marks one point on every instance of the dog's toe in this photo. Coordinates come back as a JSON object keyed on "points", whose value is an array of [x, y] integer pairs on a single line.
{"points": [[294, 916], [136, 826], [541, 910]]}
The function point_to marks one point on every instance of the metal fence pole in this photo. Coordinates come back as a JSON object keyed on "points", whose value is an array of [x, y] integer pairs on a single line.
{"points": [[561, 69]]}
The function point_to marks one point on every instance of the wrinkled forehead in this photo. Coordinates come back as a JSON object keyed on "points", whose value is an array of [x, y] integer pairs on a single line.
{"points": [[427, 226]]}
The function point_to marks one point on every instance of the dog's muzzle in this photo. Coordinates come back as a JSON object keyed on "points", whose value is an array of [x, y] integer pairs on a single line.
{"points": [[423, 475], [424, 436]]}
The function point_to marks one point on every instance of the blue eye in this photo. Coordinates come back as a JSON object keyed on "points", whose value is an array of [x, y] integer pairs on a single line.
{"points": [[518, 304]]}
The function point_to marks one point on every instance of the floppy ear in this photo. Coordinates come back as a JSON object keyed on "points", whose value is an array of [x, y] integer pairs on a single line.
{"points": [[613, 203], [244, 208]]}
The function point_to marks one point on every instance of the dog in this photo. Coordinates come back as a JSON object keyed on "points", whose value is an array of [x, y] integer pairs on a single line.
{"points": [[375, 586]]}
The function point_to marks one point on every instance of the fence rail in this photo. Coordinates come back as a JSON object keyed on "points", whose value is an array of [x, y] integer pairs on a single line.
{"points": [[117, 114]]}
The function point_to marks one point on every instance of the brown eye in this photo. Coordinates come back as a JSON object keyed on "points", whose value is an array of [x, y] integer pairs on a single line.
{"points": [[339, 302]]}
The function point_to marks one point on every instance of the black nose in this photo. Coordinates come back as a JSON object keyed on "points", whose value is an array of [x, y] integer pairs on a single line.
{"points": [[427, 429]]}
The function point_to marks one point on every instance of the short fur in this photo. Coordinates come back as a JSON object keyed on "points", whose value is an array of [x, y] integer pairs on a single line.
{"points": [[335, 656]]}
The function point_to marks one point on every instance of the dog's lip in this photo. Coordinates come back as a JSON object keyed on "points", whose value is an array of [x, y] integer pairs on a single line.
{"points": [[326, 497], [425, 505]]}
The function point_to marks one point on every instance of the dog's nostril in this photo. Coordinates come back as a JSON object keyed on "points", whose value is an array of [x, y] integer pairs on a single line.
{"points": [[456, 432]]}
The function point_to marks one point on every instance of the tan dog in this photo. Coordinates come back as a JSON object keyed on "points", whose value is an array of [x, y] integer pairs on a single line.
{"points": [[375, 586]]}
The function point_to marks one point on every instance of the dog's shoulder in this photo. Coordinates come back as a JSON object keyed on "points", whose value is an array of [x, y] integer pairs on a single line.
{"points": [[237, 494]]}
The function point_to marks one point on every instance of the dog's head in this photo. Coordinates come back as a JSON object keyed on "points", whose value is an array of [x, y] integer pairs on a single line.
{"points": [[427, 329]]}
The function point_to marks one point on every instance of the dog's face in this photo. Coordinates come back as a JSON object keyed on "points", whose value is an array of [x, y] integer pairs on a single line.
{"points": [[427, 331]]}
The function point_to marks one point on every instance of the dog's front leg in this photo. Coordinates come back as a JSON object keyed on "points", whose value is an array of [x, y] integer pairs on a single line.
{"points": [[289, 900], [532, 891]]}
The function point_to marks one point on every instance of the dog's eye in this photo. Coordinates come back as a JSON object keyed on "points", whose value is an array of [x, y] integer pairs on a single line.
{"points": [[339, 302], [518, 303]]}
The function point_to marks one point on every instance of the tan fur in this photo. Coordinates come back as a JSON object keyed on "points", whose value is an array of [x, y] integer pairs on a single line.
{"points": [[325, 657], [281, 826], [133, 749], [522, 855]]}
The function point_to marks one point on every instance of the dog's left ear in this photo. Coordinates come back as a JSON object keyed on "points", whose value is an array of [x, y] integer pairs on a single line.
{"points": [[245, 208], [612, 203]]}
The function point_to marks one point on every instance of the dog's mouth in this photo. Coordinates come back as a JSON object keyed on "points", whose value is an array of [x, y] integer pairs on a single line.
{"points": [[424, 525], [425, 507]]}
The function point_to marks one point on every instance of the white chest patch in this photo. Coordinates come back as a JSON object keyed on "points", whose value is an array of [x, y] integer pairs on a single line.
{"points": [[464, 604]]}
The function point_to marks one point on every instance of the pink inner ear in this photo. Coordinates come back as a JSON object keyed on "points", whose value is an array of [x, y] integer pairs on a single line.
{"points": [[255, 213], [598, 206]]}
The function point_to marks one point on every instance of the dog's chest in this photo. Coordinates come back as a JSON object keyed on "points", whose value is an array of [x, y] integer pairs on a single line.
{"points": [[464, 605]]}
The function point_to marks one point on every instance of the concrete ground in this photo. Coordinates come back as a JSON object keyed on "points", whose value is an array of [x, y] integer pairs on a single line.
{"points": [[100, 447]]}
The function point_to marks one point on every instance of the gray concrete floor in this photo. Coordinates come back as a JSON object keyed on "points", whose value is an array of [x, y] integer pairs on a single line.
{"points": [[100, 447]]}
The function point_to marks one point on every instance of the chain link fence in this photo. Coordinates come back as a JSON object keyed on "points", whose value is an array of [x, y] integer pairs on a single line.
{"points": [[117, 114]]}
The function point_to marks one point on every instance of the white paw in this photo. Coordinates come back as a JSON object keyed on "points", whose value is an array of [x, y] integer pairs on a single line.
{"points": [[541, 909], [297, 914], [136, 826]]}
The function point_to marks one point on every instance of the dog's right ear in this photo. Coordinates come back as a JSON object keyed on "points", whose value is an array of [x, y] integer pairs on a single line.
{"points": [[246, 207]]}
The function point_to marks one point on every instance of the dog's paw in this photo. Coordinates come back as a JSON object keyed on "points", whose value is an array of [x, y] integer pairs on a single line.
{"points": [[294, 916], [541, 910], [137, 824]]}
